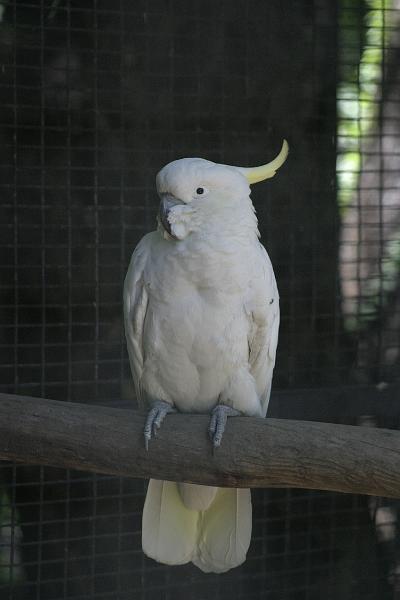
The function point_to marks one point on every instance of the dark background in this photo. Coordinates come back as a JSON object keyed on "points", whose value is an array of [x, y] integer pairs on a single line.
{"points": [[96, 96]]}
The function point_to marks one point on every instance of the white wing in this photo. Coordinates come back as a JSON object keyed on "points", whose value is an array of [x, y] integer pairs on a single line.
{"points": [[263, 309], [135, 307]]}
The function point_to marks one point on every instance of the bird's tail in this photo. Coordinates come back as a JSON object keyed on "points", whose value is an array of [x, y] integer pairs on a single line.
{"points": [[184, 522]]}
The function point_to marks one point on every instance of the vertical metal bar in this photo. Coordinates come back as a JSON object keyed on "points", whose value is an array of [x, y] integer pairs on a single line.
{"points": [[337, 319], [314, 238], [13, 549], [359, 253], [40, 535], [147, 136], [69, 295], [15, 200], [43, 284], [16, 288], [381, 241], [42, 207], [287, 536], [96, 197], [96, 267], [122, 261]]}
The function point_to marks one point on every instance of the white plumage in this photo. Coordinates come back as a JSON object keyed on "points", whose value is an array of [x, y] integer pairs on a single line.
{"points": [[201, 318]]}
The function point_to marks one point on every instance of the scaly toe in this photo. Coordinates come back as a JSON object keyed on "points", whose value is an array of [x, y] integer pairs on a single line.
{"points": [[213, 425], [218, 420], [154, 420]]}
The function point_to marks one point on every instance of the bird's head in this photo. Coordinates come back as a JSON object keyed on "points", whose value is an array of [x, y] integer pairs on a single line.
{"points": [[194, 191]]}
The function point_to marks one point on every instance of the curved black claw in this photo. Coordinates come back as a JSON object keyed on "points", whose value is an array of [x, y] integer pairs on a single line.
{"points": [[156, 416], [218, 420]]}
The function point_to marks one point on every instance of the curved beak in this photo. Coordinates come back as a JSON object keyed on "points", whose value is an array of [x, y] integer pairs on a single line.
{"points": [[167, 203]]}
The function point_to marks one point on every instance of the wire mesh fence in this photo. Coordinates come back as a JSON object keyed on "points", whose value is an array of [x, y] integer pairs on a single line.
{"points": [[95, 97]]}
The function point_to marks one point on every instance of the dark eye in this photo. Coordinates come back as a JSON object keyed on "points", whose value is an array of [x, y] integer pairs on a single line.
{"points": [[200, 191]]}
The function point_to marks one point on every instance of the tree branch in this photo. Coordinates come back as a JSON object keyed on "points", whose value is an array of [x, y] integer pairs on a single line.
{"points": [[254, 452]]}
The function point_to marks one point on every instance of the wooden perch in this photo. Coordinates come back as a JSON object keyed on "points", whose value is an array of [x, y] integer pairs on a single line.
{"points": [[254, 452]]}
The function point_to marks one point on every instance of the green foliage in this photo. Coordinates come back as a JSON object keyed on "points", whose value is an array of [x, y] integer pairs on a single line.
{"points": [[359, 99], [363, 36]]}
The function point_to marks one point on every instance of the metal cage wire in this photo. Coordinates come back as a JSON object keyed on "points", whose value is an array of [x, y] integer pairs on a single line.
{"points": [[95, 98]]}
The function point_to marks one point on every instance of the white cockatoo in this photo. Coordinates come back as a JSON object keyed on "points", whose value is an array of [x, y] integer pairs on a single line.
{"points": [[201, 319]]}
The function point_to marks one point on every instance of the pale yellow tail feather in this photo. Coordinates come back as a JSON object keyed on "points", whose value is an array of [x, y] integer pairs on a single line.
{"points": [[169, 529], [215, 539], [224, 531], [197, 497]]}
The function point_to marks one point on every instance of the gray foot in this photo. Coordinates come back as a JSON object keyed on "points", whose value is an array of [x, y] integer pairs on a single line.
{"points": [[156, 416], [219, 416]]}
